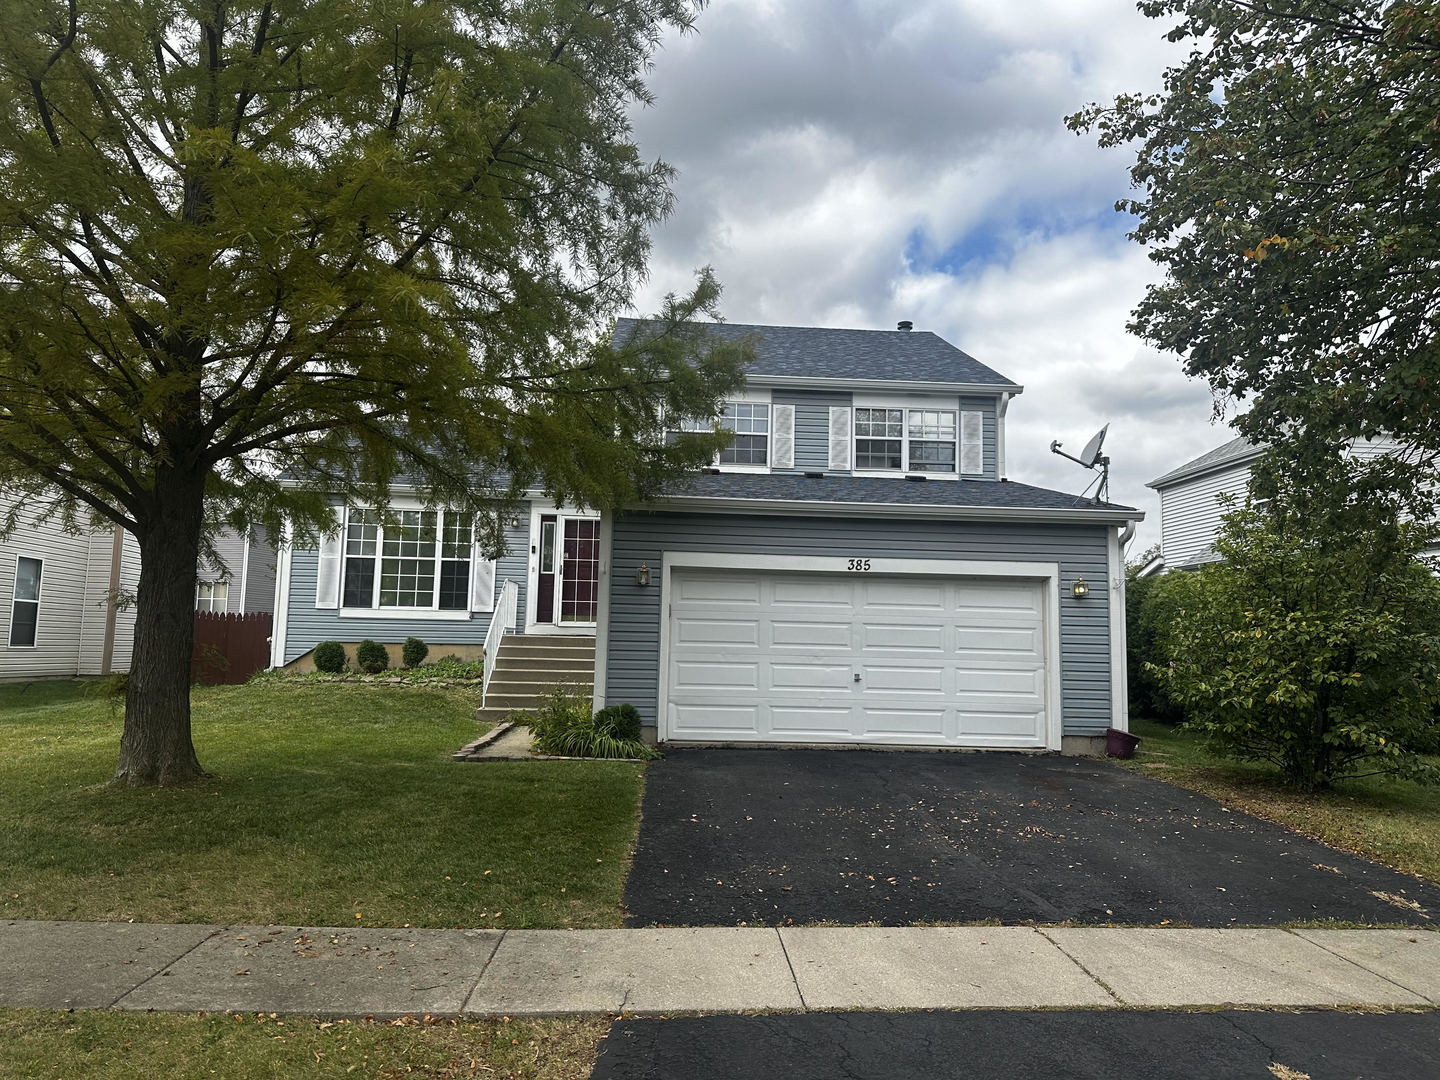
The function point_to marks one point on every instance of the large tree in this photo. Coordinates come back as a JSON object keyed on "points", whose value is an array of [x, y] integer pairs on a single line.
{"points": [[345, 240], [1289, 184]]}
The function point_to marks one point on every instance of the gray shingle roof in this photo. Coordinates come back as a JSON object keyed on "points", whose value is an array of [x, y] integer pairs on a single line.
{"points": [[796, 487], [824, 353], [1232, 453]]}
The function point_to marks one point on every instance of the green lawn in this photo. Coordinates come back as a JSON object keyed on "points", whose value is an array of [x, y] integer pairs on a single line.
{"points": [[126, 1046], [1395, 822], [331, 804]]}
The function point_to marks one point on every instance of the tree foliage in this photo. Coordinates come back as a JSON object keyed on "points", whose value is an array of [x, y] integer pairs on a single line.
{"points": [[353, 242], [1289, 184], [1310, 648]]}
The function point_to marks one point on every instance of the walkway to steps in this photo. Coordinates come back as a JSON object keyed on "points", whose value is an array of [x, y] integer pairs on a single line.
{"points": [[530, 665]]}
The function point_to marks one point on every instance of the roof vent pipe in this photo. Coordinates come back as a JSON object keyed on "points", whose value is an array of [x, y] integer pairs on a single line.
{"points": [[906, 325]]}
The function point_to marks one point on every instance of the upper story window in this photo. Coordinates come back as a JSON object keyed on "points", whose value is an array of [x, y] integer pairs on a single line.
{"points": [[421, 561], [750, 421], [25, 608], [211, 595], [915, 440]]}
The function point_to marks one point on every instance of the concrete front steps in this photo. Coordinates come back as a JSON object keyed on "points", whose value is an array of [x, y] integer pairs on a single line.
{"points": [[530, 665]]}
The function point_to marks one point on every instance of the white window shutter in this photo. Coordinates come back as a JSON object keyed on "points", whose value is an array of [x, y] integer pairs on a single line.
{"points": [[482, 582], [840, 437], [972, 443], [327, 574], [782, 437]]}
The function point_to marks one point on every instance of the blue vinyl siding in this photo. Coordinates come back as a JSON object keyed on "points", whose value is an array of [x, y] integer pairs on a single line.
{"points": [[308, 625], [812, 424], [633, 651]]}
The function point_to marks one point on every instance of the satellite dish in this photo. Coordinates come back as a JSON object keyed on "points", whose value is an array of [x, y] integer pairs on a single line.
{"points": [[1092, 448], [1091, 458]]}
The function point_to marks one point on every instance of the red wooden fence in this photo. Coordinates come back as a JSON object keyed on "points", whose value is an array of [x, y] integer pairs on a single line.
{"points": [[229, 648]]}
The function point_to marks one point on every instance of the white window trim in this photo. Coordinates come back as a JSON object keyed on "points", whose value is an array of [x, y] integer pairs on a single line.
{"points": [[905, 404], [1047, 573], [213, 585], [38, 601], [749, 396], [434, 611]]}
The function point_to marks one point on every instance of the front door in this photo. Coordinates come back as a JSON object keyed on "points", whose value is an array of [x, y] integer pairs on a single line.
{"points": [[567, 580]]}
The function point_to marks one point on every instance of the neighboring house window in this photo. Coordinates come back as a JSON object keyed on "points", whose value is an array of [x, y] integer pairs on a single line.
{"points": [[751, 423], [420, 561], [916, 440], [211, 595], [25, 611]]}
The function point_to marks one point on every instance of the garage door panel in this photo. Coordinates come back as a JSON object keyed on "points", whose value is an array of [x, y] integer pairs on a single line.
{"points": [[819, 676], [916, 722], [942, 661], [733, 721], [811, 721], [905, 638], [903, 595], [909, 679], [811, 636], [717, 632], [700, 675], [727, 591]]}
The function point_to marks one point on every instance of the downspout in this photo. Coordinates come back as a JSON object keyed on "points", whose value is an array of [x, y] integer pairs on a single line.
{"points": [[1000, 436]]}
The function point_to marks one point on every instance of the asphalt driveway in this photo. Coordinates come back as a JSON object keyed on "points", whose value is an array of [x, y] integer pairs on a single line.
{"points": [[1010, 1045], [780, 837]]}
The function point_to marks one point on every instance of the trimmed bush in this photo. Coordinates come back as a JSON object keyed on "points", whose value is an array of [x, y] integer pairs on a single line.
{"points": [[624, 719], [330, 657], [371, 657], [565, 727], [414, 651]]}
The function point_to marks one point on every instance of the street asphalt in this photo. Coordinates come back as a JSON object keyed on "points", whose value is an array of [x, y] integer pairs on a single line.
{"points": [[1000, 1045], [777, 837]]}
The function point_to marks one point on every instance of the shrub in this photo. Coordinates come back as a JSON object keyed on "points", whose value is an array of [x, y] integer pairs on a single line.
{"points": [[564, 726], [623, 719], [1315, 651], [330, 657], [1150, 610], [371, 657], [414, 652]]}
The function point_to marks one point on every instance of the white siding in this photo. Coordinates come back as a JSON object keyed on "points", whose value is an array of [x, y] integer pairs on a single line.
{"points": [[62, 598], [1190, 514]]}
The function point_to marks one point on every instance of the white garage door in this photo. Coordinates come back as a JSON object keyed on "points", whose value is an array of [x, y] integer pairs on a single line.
{"points": [[826, 658]]}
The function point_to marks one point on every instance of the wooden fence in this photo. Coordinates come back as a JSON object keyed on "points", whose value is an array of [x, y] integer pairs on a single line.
{"points": [[229, 648]]}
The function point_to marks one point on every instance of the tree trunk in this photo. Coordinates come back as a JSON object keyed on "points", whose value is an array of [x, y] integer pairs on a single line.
{"points": [[155, 748]]}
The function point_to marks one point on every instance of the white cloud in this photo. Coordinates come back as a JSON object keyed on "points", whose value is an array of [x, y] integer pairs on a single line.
{"points": [[855, 162]]}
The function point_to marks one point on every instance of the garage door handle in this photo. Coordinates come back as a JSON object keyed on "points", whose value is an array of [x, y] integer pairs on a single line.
{"points": [[857, 676]]}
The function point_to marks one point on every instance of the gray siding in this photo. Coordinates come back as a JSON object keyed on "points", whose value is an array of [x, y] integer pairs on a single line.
{"points": [[812, 424], [989, 406], [308, 625], [632, 663], [260, 580], [63, 609]]}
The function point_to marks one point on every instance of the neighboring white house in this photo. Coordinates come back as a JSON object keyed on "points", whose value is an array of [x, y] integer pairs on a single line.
{"points": [[62, 612], [58, 610], [1191, 498]]}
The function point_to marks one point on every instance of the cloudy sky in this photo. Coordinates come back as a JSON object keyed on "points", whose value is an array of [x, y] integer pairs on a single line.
{"points": [[856, 162]]}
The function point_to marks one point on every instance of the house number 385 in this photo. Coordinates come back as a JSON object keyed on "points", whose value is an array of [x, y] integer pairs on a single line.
{"points": [[857, 564]]}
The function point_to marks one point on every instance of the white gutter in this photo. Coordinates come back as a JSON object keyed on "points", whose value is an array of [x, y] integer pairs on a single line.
{"points": [[1000, 435], [918, 510], [891, 386]]}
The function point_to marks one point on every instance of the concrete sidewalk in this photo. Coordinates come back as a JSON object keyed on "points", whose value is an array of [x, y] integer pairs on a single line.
{"points": [[349, 971]]}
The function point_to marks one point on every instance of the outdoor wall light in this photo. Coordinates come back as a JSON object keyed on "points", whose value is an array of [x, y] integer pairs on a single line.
{"points": [[1080, 588], [642, 576]]}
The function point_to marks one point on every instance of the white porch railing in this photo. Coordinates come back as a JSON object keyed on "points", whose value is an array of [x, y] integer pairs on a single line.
{"points": [[503, 619]]}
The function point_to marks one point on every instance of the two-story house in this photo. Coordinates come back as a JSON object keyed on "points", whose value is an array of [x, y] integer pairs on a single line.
{"points": [[855, 568]]}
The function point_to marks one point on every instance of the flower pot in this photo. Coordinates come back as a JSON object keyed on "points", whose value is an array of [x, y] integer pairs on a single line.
{"points": [[1120, 744]]}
